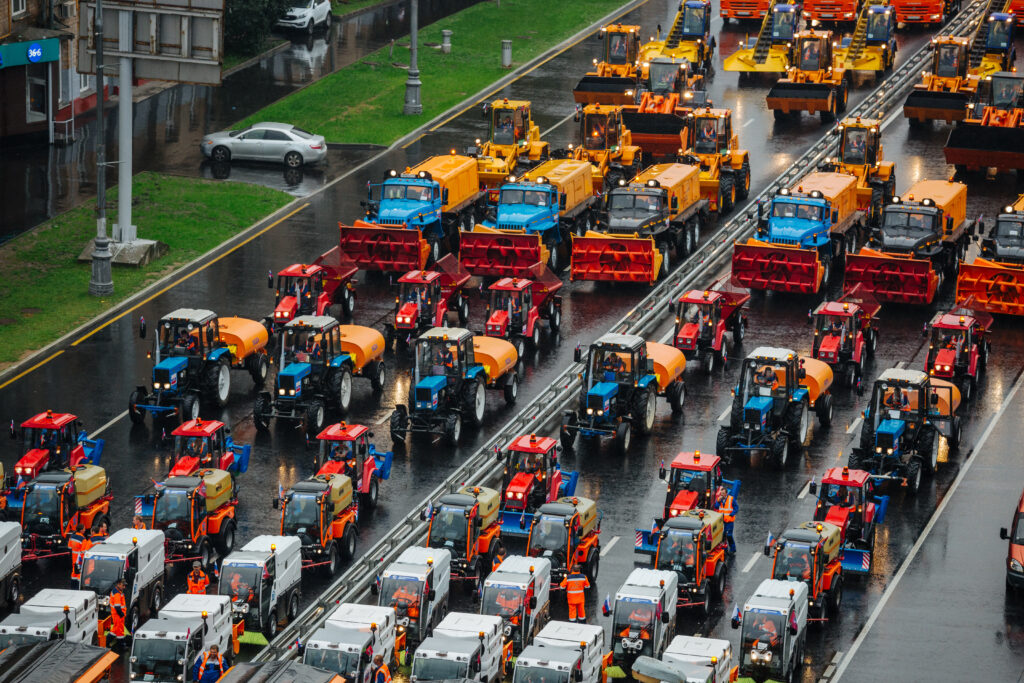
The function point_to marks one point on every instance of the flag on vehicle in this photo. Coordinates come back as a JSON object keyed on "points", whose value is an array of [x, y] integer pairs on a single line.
{"points": [[736, 614], [771, 540], [429, 512], [606, 607], [654, 529], [280, 491], [376, 581]]}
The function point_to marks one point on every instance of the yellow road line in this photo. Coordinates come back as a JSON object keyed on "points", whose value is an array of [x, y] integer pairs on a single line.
{"points": [[25, 372]]}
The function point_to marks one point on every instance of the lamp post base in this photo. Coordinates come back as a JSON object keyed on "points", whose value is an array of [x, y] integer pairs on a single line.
{"points": [[101, 283]]}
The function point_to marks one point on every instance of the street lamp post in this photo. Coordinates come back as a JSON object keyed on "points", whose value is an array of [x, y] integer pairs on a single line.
{"points": [[413, 106], [101, 283]]}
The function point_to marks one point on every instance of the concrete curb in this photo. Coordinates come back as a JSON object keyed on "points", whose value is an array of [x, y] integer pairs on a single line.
{"points": [[41, 356]]}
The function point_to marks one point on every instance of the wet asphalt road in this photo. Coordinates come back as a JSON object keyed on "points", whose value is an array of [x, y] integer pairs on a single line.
{"points": [[93, 379]]}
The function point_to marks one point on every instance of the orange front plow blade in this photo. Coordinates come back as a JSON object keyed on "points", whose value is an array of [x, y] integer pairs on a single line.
{"points": [[756, 265], [614, 259], [996, 288], [384, 248], [498, 254], [891, 278]]}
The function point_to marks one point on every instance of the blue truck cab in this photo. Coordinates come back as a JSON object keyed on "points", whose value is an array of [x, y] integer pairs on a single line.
{"points": [[530, 207], [409, 200], [792, 218]]}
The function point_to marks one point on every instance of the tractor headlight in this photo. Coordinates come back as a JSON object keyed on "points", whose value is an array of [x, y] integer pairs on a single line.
{"points": [[281, 392], [291, 392], [946, 368], [888, 451], [519, 495], [878, 449], [600, 412], [590, 411]]}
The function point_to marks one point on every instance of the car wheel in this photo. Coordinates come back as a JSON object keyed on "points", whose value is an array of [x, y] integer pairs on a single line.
{"points": [[293, 160], [221, 154], [310, 26]]}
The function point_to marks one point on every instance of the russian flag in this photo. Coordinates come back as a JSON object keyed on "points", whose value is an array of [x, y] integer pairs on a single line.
{"points": [[606, 608], [736, 614], [771, 540]]}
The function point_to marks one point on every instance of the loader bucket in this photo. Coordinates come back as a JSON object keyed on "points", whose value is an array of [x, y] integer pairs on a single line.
{"points": [[984, 146], [604, 90], [935, 106], [782, 269], [891, 278], [377, 247], [809, 97], [996, 288], [656, 134], [614, 259], [743, 60], [499, 254]]}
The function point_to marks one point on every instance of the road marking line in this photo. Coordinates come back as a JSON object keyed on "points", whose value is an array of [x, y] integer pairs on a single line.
{"points": [[557, 125], [828, 671], [604, 550], [25, 372], [724, 413], [104, 427], [853, 425], [383, 420], [837, 656], [750, 563], [748, 123], [185, 277], [902, 364], [891, 588], [804, 491]]}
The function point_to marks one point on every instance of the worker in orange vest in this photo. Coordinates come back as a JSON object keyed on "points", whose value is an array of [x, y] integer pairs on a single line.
{"points": [[138, 523], [726, 504], [118, 612], [499, 557], [382, 674], [575, 584], [211, 667], [78, 543], [197, 580]]}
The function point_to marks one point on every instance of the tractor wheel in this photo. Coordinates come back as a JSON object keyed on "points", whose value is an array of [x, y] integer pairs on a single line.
{"points": [[727, 188], [824, 410], [189, 407], [555, 320], [218, 382], [511, 388], [739, 329], [535, 337], [722, 442], [379, 378], [722, 355], [463, 311], [914, 476], [315, 412], [955, 434], [967, 388], [844, 93], [520, 345], [205, 554], [835, 596], [854, 461], [348, 302], [260, 411], [226, 538], [676, 395], [871, 342], [928, 450], [867, 437], [743, 184], [736, 414], [684, 242], [348, 543], [258, 369], [453, 429], [666, 261], [341, 388], [133, 620], [333, 565], [644, 405], [474, 400], [399, 425], [593, 567], [798, 423], [623, 435], [718, 582], [570, 428], [707, 361], [780, 451], [705, 607], [372, 494], [134, 414]]}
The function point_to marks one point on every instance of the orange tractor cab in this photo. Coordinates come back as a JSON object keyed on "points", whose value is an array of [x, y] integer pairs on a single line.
{"points": [[424, 300], [692, 544], [467, 524], [917, 245], [607, 144], [704, 317], [694, 481], [59, 503], [843, 335], [312, 289], [195, 513], [994, 282], [206, 443], [812, 553], [945, 90], [846, 499], [53, 441], [815, 83], [321, 511], [532, 477], [517, 306], [567, 532], [992, 135], [346, 449], [513, 143], [615, 76], [724, 167], [958, 347]]}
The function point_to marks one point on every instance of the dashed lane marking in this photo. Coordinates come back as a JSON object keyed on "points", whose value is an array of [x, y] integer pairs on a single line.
{"points": [[750, 563], [604, 550], [854, 425], [109, 424]]}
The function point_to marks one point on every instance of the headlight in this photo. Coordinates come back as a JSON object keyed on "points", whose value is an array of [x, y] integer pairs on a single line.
{"points": [[519, 495], [132, 675], [878, 449], [590, 411], [1016, 566], [888, 451], [291, 392], [281, 392], [600, 412]]}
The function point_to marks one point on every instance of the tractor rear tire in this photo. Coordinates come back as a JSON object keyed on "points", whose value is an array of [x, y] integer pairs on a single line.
{"points": [[798, 423], [340, 386], [453, 429], [743, 184], [226, 538], [593, 566], [372, 495], [218, 382], [644, 407], [623, 435], [914, 476], [333, 564], [474, 400], [855, 462], [259, 412], [928, 448], [780, 451], [736, 413], [555, 320], [824, 409], [511, 388], [399, 425], [315, 412], [134, 414], [258, 369], [676, 395], [348, 543], [727, 190], [967, 389], [955, 434], [379, 377], [707, 361], [722, 442], [739, 328]]}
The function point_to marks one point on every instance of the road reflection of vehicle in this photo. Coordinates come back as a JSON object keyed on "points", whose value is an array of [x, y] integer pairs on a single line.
{"points": [[299, 182]]}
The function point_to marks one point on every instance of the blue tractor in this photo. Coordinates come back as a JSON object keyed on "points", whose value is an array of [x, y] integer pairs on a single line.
{"points": [[620, 386], [910, 425], [772, 404]]}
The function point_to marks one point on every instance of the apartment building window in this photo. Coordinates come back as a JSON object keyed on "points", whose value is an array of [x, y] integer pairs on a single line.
{"points": [[18, 7]]}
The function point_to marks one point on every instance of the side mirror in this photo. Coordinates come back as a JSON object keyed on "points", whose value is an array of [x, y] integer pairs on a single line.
{"points": [[767, 549], [276, 503], [270, 279], [477, 522], [949, 224], [533, 602], [209, 335], [501, 456], [142, 328], [801, 373], [1004, 533], [812, 488], [577, 355], [933, 399], [577, 675], [522, 522], [562, 202], [835, 217], [674, 204], [444, 196], [664, 617], [793, 629], [649, 365], [735, 621], [432, 595], [373, 588], [486, 109]]}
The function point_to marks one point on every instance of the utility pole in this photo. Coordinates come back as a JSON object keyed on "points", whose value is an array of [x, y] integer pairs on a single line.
{"points": [[101, 283], [413, 106]]}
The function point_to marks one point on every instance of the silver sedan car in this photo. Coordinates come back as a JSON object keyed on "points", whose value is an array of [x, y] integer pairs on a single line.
{"points": [[278, 142]]}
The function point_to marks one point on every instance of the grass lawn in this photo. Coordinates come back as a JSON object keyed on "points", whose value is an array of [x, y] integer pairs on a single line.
{"points": [[44, 290], [363, 102]]}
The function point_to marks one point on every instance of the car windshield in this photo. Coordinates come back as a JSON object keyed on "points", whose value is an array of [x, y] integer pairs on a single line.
{"points": [[172, 507], [548, 533], [706, 138], [438, 669], [807, 212], [634, 203], [537, 674], [332, 659], [784, 24], [100, 573], [502, 601], [878, 26], [1009, 232], [663, 76], [240, 582], [401, 593], [690, 480], [594, 128], [419, 193], [301, 514], [855, 143], [948, 61], [506, 126], [793, 563], [18, 639], [156, 657], [529, 197], [677, 552], [762, 633], [906, 223], [42, 504], [449, 525], [810, 55], [633, 619], [1018, 532], [618, 48]]}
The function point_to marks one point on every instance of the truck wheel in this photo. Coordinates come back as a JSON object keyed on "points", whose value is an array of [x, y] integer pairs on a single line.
{"points": [[348, 543], [593, 567], [554, 261], [705, 607], [258, 369], [666, 261], [156, 600], [739, 328], [435, 251], [685, 243], [348, 302], [535, 337], [399, 425], [511, 388], [727, 193], [623, 434], [372, 494], [780, 451], [463, 312], [722, 443], [218, 382], [955, 434], [584, 224], [967, 389], [928, 449], [824, 410], [474, 400], [204, 552], [270, 628], [226, 538], [314, 417], [189, 408], [743, 184], [914, 476], [293, 605], [570, 428], [707, 361], [555, 320], [133, 619], [341, 388], [836, 596], [797, 423], [134, 414], [14, 591], [379, 378], [260, 411], [520, 345], [676, 395], [719, 584], [333, 565], [453, 429], [645, 403]]}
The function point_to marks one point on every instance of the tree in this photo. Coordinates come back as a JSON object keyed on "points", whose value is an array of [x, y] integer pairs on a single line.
{"points": [[247, 23]]}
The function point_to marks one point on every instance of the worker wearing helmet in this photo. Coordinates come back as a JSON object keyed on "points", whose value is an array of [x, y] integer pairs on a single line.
{"points": [[726, 504], [197, 580]]}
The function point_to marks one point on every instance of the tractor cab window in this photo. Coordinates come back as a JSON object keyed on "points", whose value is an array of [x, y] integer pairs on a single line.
{"points": [[404, 594], [1009, 232], [810, 55], [878, 27], [301, 515], [192, 446], [664, 77], [449, 528], [1006, 92], [634, 619], [690, 480], [632, 203], [299, 287], [507, 300], [693, 21], [834, 325], [172, 510], [945, 338], [412, 293], [702, 315], [762, 633], [902, 223], [304, 346], [764, 380], [438, 357], [241, 582], [794, 563], [998, 34], [611, 365], [835, 495], [807, 212], [784, 24], [528, 197], [180, 339], [99, 573], [505, 127], [855, 146], [47, 439], [42, 504], [947, 61], [503, 601], [549, 533], [706, 138], [678, 552], [595, 131], [893, 402], [618, 48], [417, 193]]}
